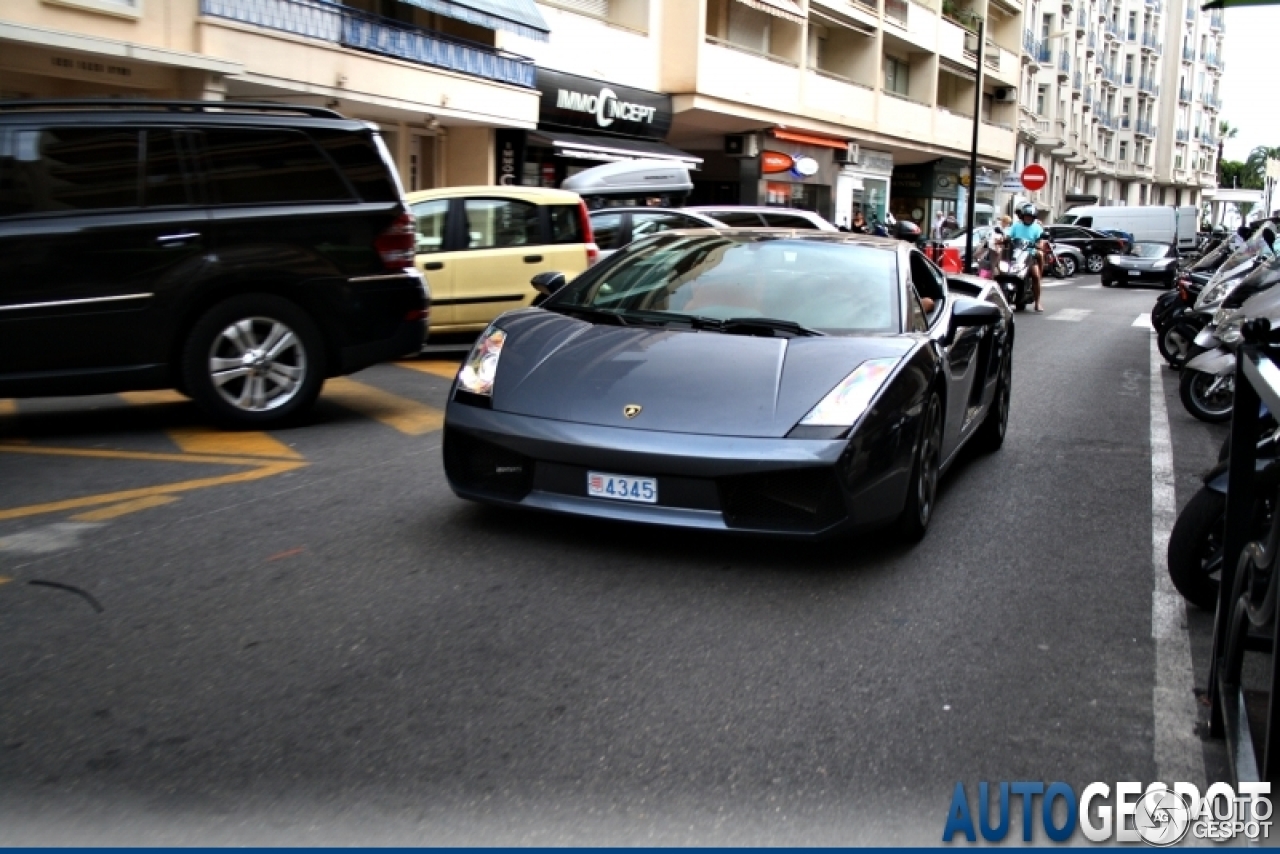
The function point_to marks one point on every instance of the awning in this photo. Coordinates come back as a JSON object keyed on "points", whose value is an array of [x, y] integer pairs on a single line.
{"points": [[786, 9], [514, 16], [608, 148], [810, 139]]}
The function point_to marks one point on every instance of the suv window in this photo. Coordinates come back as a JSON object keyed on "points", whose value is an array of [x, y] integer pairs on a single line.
{"points": [[1085, 221], [566, 223], [607, 228], [164, 183], [788, 221], [254, 167], [496, 223], [741, 219], [67, 169], [651, 223], [358, 157], [429, 219]]}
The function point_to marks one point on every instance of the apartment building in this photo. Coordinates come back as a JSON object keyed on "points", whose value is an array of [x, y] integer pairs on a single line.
{"points": [[1108, 104], [435, 81]]}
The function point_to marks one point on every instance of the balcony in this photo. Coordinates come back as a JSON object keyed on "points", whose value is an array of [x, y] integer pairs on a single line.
{"points": [[1111, 31], [1188, 53], [1077, 84], [1156, 6], [1182, 135], [1213, 61], [1045, 56], [1184, 95], [1088, 99], [1132, 36], [1048, 137], [1150, 42], [1126, 123], [1110, 78], [1144, 128], [1091, 44], [1030, 48], [1215, 19], [896, 11], [1128, 80], [1191, 12], [353, 28], [1147, 84], [1211, 101], [1064, 65], [1206, 138], [1082, 23], [870, 6]]}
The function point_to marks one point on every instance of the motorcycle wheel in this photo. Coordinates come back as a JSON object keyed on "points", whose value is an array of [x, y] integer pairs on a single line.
{"points": [[1174, 343], [1020, 301], [1193, 388], [1196, 546]]}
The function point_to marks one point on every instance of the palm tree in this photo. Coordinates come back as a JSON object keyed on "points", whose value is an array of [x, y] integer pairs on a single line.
{"points": [[1257, 160], [1226, 131]]}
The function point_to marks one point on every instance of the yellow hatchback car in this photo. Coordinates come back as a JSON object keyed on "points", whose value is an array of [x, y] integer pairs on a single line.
{"points": [[479, 246]]}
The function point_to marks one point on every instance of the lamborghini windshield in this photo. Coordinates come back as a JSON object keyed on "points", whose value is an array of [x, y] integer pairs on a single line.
{"points": [[703, 278]]}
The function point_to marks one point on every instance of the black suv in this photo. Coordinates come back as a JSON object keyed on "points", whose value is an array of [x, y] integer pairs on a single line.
{"points": [[240, 253]]}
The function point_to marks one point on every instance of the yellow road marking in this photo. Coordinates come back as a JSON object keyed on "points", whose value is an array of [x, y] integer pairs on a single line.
{"points": [[445, 370], [115, 511], [8, 407], [400, 413], [261, 470], [207, 440], [4, 580], [146, 398], [149, 456]]}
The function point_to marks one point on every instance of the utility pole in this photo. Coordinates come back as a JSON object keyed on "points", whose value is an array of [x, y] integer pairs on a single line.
{"points": [[971, 199]]}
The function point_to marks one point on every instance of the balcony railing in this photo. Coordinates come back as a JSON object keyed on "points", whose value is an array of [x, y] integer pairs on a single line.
{"points": [[1191, 11], [1212, 101], [1188, 53], [1045, 55], [1145, 128], [896, 11], [1132, 36], [1150, 42], [1093, 40], [1088, 99], [1077, 81], [872, 6], [1184, 95], [1215, 19], [1148, 84], [991, 55], [1182, 135], [1112, 30], [1206, 137], [354, 28], [1128, 79], [1213, 61], [1031, 45], [1064, 62], [1156, 6], [1082, 20]]}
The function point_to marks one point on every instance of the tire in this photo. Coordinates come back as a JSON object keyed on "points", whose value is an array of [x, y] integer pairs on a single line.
{"points": [[1192, 388], [1020, 297], [991, 432], [1068, 265], [1174, 342], [922, 489], [1195, 548], [1107, 283], [1093, 263], [284, 385]]}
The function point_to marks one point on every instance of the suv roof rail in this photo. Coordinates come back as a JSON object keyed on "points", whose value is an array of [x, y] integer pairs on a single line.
{"points": [[171, 106]]}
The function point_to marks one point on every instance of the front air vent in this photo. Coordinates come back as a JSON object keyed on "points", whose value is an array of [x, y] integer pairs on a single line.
{"points": [[479, 466], [801, 500]]}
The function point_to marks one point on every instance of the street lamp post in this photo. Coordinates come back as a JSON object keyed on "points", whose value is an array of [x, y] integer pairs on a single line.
{"points": [[972, 197]]}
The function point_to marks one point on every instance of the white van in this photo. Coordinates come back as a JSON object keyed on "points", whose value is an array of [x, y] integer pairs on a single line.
{"points": [[1161, 223]]}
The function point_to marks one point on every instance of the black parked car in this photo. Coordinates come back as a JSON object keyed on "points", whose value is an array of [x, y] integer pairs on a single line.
{"points": [[1148, 263], [241, 256], [1095, 245]]}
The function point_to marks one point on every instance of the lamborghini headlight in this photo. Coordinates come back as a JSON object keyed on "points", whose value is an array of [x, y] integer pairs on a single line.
{"points": [[845, 403], [481, 366]]}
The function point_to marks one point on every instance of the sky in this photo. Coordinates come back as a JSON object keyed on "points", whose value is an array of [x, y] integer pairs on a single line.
{"points": [[1249, 78]]}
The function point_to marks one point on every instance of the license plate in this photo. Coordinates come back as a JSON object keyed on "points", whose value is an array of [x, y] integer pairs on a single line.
{"points": [[1135, 272], [622, 487]]}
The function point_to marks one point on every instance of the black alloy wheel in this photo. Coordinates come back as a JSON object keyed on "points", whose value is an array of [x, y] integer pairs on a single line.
{"points": [[922, 492], [1207, 396], [992, 431]]}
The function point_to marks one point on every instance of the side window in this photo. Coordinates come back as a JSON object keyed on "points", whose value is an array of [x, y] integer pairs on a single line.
{"points": [[1085, 222], [916, 320], [68, 169], [566, 223], [651, 223], [607, 228], [164, 183], [737, 219], [498, 223], [928, 280], [429, 220], [787, 221], [256, 167], [357, 156]]}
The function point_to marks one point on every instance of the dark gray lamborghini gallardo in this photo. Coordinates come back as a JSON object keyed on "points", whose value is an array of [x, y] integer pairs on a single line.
{"points": [[774, 382]]}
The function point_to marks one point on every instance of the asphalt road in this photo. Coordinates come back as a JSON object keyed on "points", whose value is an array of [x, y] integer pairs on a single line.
{"points": [[304, 637]]}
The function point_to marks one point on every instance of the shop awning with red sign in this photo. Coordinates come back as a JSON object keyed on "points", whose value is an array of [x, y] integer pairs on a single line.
{"points": [[810, 138], [607, 148]]}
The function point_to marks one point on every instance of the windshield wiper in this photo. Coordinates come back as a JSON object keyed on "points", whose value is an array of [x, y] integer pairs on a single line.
{"points": [[761, 325], [586, 312]]}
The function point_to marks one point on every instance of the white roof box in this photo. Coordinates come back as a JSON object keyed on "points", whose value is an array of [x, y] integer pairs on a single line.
{"points": [[630, 176]]}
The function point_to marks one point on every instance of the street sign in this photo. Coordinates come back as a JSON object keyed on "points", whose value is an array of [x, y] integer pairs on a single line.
{"points": [[1034, 177]]}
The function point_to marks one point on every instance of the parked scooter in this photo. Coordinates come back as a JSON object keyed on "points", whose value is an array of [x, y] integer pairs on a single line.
{"points": [[1012, 272]]}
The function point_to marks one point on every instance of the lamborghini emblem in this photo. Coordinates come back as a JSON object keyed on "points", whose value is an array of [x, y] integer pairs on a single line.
{"points": [[631, 410]]}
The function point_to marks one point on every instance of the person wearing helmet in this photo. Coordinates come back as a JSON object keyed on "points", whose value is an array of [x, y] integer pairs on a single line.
{"points": [[1029, 229]]}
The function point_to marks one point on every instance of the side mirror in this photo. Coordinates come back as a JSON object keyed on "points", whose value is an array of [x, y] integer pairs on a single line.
{"points": [[971, 312], [548, 283]]}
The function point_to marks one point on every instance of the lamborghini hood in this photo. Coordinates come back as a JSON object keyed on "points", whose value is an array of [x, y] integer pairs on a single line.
{"points": [[682, 381]]}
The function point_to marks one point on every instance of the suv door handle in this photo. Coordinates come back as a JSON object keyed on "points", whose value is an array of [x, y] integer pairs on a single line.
{"points": [[532, 259], [177, 239], [433, 265]]}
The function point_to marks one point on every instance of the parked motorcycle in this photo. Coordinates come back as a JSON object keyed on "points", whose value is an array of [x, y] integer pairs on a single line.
{"points": [[1176, 322], [1012, 272]]}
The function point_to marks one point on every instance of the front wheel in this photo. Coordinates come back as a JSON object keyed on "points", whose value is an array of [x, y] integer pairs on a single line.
{"points": [[255, 360], [1175, 342], [1094, 263], [991, 432], [1196, 548], [1068, 265], [1207, 396], [1020, 298], [922, 490]]}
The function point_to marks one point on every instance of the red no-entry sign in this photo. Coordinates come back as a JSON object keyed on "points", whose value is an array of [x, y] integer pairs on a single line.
{"points": [[1034, 177]]}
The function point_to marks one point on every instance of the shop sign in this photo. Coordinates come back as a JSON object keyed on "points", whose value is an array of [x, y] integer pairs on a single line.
{"points": [[875, 161], [580, 103], [772, 162], [509, 155], [804, 167]]}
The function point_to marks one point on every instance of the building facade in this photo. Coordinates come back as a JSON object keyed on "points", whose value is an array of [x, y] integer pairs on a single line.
{"points": [[1119, 101]]}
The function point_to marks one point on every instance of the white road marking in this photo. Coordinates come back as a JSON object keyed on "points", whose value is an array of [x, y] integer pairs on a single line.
{"points": [[1073, 315], [47, 539], [1178, 754], [1143, 321], [1061, 284], [1091, 287]]}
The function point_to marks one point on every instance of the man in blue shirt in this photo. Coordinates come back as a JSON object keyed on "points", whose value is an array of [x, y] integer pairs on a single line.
{"points": [[1027, 228]]}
